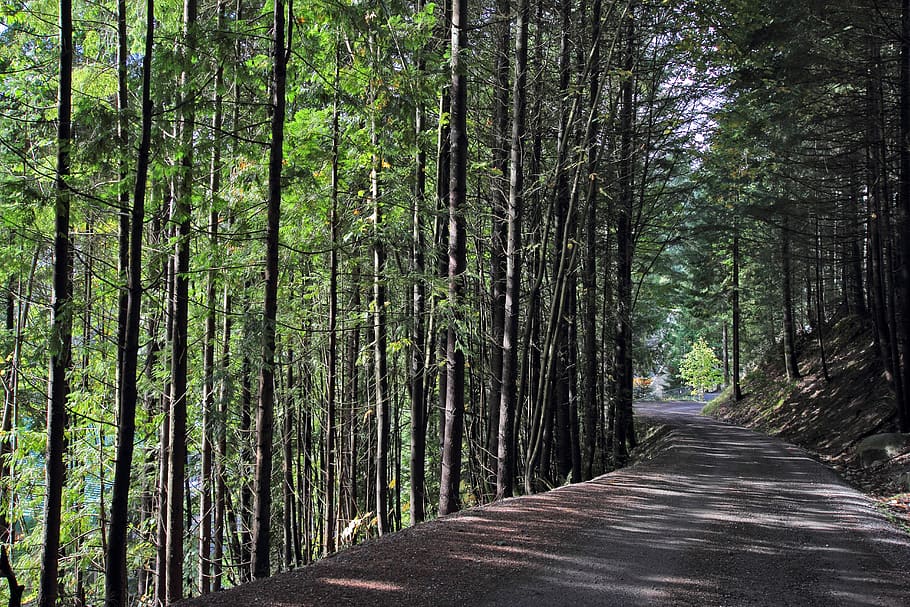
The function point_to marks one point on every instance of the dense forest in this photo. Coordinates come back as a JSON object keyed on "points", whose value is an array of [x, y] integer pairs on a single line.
{"points": [[279, 277]]}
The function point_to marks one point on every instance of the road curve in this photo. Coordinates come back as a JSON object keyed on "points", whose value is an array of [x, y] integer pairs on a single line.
{"points": [[723, 516]]}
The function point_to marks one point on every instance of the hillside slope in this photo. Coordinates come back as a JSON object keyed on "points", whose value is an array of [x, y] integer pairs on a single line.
{"points": [[827, 418]]}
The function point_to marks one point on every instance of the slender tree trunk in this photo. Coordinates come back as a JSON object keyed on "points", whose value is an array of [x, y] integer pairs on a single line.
{"points": [[787, 296], [820, 302], [221, 489], [856, 295], [61, 322], [380, 355], [443, 169], [123, 196], [287, 469], [557, 369], [208, 405], [499, 233], [164, 438], [246, 461], [180, 346], [331, 515], [219, 429], [903, 217], [352, 396], [418, 371], [737, 388], [506, 452], [6, 448], [455, 359], [209, 415], [116, 590], [589, 277], [265, 412], [623, 422]]}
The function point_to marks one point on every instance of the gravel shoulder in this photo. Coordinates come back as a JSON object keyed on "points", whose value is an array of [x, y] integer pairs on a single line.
{"points": [[719, 516]]}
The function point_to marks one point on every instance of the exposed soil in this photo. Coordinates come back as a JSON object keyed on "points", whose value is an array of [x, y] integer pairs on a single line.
{"points": [[828, 417], [718, 516]]}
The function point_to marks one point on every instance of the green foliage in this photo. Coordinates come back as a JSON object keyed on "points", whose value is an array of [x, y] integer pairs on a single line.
{"points": [[700, 368]]}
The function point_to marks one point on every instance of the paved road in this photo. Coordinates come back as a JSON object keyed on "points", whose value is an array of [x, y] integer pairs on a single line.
{"points": [[722, 517]]}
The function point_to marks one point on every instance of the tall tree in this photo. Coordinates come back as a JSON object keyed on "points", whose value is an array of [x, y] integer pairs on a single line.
{"points": [[499, 233], [418, 367], [61, 321], [903, 218], [265, 412], [116, 582], [380, 341], [332, 370], [181, 216], [209, 414], [589, 275], [506, 444], [450, 479], [623, 436]]}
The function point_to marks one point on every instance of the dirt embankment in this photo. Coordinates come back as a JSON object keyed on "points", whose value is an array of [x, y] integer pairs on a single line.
{"points": [[828, 417]]}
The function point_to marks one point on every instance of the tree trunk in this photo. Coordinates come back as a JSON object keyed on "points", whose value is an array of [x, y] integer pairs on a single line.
{"points": [[219, 429], [443, 169], [265, 412], [287, 468], [787, 296], [245, 513], [455, 359], [506, 451], [380, 355], [856, 296], [164, 437], [499, 232], [820, 302], [589, 276], [6, 445], [623, 421], [182, 211], [352, 396], [221, 489], [123, 197], [61, 322], [903, 218], [331, 515], [737, 388], [6, 570], [116, 590], [418, 370], [557, 369], [207, 450]]}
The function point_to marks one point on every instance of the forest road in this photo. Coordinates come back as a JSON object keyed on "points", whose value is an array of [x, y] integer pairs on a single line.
{"points": [[721, 516]]}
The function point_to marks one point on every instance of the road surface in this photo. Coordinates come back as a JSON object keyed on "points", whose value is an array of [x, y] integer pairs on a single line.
{"points": [[722, 516]]}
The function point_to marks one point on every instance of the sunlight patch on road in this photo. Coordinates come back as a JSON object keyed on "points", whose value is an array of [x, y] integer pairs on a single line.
{"points": [[376, 585]]}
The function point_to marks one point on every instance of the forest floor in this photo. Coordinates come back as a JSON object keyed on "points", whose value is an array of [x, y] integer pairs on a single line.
{"points": [[716, 515]]}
